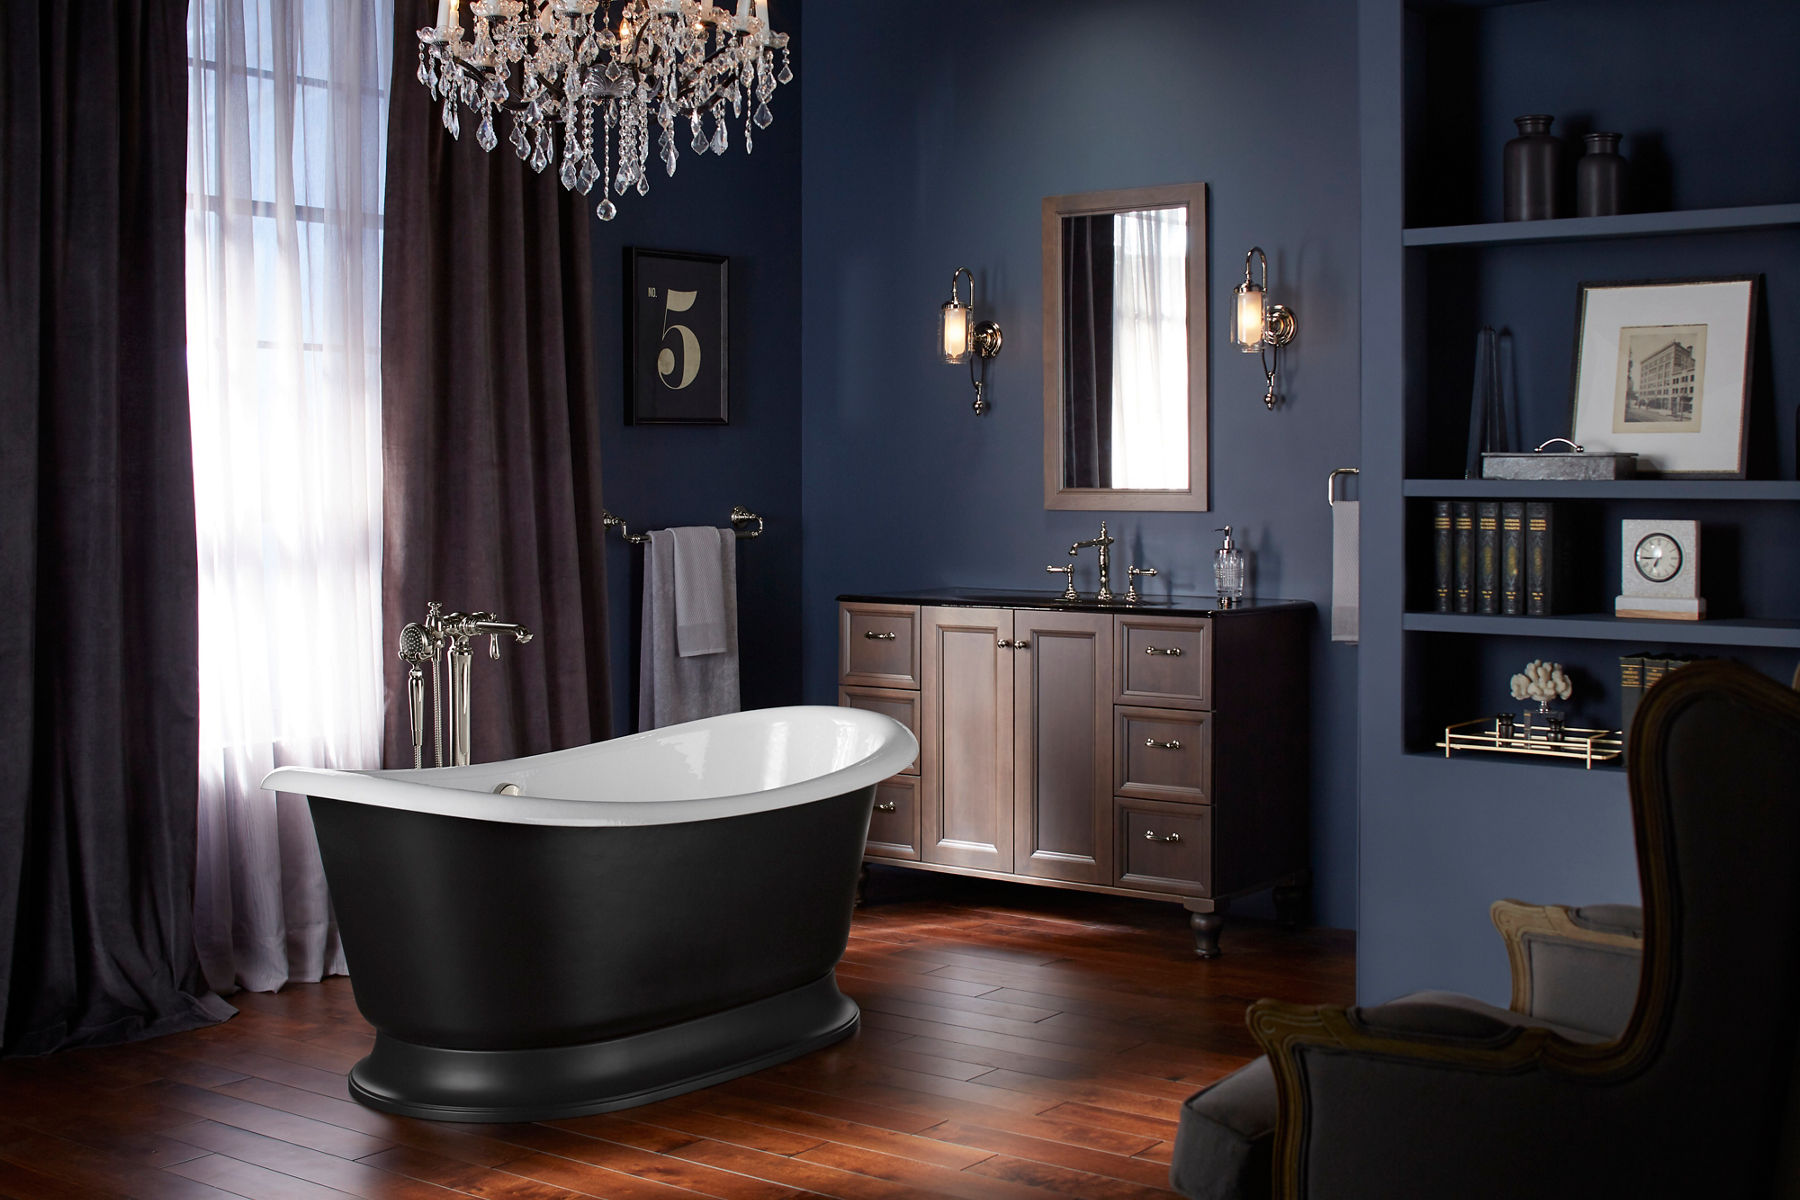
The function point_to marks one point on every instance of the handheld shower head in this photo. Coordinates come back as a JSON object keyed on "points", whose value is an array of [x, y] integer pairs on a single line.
{"points": [[415, 643]]}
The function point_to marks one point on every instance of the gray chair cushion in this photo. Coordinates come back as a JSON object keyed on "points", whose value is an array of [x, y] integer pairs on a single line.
{"points": [[1224, 1146]]}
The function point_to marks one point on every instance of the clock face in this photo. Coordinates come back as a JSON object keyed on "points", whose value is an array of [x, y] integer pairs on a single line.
{"points": [[1658, 557]]}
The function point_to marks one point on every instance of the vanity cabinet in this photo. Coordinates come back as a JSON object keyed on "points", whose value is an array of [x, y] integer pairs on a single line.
{"points": [[1092, 746]]}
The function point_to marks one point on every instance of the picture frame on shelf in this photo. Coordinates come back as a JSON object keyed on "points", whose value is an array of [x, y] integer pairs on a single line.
{"points": [[1662, 370], [677, 338]]}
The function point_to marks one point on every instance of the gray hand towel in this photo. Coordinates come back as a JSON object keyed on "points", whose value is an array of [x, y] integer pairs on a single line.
{"points": [[699, 590], [673, 689], [1346, 540]]}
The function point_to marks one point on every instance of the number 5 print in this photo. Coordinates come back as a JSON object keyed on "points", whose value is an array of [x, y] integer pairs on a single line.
{"points": [[690, 345]]}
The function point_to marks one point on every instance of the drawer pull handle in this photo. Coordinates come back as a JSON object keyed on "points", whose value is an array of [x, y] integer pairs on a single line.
{"points": [[1150, 835], [880, 637], [886, 806], [1162, 745], [1172, 651]]}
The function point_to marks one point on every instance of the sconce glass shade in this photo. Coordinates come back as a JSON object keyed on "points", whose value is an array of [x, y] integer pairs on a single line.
{"points": [[1249, 318], [955, 337]]}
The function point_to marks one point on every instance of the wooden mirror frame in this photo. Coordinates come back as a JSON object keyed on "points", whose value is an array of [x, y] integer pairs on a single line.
{"points": [[1196, 496]]}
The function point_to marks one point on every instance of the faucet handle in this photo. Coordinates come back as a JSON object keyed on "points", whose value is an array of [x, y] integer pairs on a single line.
{"points": [[1131, 576], [1069, 592]]}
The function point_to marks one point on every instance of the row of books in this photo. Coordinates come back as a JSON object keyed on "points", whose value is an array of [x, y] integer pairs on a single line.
{"points": [[1501, 557], [1640, 671]]}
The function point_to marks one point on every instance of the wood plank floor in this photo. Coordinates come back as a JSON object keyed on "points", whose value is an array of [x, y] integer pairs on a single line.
{"points": [[1017, 1043]]}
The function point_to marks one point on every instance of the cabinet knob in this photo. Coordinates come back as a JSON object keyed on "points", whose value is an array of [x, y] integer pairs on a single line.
{"points": [[880, 637], [1172, 651], [1150, 835], [1021, 644], [1162, 745], [886, 806]]}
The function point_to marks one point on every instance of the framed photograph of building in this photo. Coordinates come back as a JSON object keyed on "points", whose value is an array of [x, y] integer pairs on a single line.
{"points": [[677, 333], [1662, 370]]}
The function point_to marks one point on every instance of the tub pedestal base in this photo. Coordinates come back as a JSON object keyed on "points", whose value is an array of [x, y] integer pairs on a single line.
{"points": [[594, 1077]]}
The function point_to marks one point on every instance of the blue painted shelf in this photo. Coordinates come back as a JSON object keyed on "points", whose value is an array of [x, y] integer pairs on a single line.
{"points": [[1738, 631], [1625, 225], [1604, 489]]}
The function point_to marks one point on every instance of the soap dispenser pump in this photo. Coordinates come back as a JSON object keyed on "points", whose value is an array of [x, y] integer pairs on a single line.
{"points": [[1228, 571]]}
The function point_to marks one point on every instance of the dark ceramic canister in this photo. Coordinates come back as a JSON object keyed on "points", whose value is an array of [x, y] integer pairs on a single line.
{"points": [[1533, 170], [1600, 177]]}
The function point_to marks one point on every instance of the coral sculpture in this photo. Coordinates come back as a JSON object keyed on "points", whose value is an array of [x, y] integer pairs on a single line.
{"points": [[1543, 682]]}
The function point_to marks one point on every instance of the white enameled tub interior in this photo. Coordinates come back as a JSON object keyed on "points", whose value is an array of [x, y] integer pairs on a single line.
{"points": [[721, 766]]}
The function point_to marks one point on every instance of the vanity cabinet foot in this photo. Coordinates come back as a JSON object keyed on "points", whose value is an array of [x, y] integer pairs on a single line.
{"points": [[1206, 926]]}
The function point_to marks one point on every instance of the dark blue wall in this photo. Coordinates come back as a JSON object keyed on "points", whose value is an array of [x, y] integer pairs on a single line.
{"points": [[925, 153], [747, 207]]}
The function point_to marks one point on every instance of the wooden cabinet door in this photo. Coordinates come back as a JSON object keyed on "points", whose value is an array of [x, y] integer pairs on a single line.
{"points": [[1062, 745], [967, 743]]}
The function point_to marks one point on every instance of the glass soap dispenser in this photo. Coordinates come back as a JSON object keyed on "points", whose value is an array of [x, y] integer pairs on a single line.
{"points": [[1228, 570]]}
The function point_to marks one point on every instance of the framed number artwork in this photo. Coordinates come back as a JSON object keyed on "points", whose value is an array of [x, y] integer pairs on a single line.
{"points": [[677, 325]]}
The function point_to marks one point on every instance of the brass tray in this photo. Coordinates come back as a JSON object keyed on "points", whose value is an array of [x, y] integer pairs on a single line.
{"points": [[1586, 746]]}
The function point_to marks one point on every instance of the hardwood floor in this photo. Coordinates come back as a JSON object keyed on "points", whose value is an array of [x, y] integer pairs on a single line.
{"points": [[1017, 1043]]}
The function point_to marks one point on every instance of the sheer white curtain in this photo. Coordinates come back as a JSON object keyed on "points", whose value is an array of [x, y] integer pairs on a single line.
{"points": [[287, 127], [1150, 356]]}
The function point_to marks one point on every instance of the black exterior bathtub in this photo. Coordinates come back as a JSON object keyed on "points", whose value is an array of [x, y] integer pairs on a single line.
{"points": [[522, 971]]}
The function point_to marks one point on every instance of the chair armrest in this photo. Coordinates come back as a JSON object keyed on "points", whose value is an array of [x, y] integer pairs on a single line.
{"points": [[1570, 966], [1404, 1099]]}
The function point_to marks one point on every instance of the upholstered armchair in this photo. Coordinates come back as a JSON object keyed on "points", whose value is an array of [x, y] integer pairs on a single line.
{"points": [[1691, 1089]]}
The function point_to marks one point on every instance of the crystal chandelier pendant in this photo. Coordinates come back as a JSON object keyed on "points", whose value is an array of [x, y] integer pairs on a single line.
{"points": [[570, 61]]}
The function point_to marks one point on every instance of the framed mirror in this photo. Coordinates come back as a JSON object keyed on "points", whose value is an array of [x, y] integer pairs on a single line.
{"points": [[1125, 385]]}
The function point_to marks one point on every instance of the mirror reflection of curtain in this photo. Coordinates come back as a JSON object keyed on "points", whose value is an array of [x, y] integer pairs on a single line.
{"points": [[1087, 352], [286, 123], [1150, 351]]}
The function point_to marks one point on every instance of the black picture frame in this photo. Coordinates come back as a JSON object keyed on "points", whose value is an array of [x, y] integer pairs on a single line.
{"points": [[677, 356]]}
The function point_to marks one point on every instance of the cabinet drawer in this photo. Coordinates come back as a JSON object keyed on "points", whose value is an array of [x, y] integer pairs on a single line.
{"points": [[894, 825], [1164, 848], [878, 645], [901, 705], [1164, 662], [1162, 754]]}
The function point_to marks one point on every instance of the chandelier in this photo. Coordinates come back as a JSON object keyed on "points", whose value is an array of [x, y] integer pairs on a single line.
{"points": [[661, 61]]}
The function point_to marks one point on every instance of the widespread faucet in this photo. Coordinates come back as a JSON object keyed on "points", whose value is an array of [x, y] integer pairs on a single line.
{"points": [[449, 634], [1104, 544]]}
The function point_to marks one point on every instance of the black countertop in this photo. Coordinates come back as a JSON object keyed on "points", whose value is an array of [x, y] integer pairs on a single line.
{"points": [[1184, 606]]}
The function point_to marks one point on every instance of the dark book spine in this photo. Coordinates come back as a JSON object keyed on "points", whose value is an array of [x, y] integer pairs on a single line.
{"points": [[1487, 556], [1540, 558], [1463, 530], [1512, 558], [1442, 558], [1631, 690]]}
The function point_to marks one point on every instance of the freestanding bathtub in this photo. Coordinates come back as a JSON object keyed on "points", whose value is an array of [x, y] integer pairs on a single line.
{"points": [[649, 915]]}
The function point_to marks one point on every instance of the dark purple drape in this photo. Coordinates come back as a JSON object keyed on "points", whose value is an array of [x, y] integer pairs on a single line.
{"points": [[490, 435], [99, 739], [1087, 351]]}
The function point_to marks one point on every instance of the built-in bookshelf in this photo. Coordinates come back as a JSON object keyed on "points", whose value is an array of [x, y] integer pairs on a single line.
{"points": [[1716, 195]]}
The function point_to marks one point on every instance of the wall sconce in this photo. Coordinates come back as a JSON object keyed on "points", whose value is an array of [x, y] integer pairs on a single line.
{"points": [[962, 340], [1257, 324]]}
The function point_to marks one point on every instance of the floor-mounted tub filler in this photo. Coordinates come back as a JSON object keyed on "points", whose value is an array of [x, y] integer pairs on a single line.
{"points": [[646, 916]]}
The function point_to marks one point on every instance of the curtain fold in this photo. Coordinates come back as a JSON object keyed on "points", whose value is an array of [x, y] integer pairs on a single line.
{"points": [[1088, 351], [285, 137], [489, 429], [97, 556]]}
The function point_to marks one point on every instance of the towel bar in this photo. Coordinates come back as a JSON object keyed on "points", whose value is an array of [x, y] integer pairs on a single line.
{"points": [[740, 516]]}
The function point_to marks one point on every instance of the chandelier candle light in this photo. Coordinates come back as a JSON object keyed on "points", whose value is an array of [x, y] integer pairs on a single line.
{"points": [[660, 61]]}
